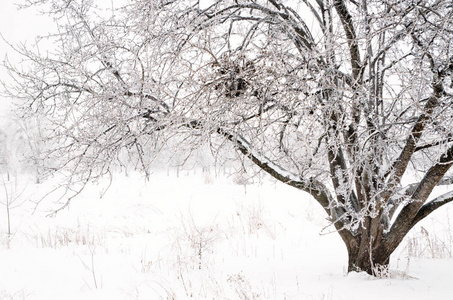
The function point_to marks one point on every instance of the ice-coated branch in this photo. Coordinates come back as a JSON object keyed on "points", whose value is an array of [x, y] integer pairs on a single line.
{"points": [[399, 166], [413, 211], [348, 26], [432, 205]]}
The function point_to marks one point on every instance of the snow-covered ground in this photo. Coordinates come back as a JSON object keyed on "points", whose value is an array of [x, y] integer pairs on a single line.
{"points": [[200, 236]]}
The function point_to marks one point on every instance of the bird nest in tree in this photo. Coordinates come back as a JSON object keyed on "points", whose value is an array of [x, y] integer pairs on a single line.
{"points": [[233, 74]]}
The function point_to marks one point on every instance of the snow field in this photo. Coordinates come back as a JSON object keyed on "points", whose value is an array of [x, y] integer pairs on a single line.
{"points": [[201, 237]]}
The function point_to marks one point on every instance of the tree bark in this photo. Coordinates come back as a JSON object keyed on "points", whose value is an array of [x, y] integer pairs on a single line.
{"points": [[368, 259]]}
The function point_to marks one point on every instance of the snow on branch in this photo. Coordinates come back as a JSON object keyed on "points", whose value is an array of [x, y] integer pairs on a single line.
{"points": [[432, 205], [315, 188]]}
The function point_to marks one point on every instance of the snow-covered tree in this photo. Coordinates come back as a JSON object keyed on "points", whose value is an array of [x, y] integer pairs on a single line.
{"points": [[343, 99]]}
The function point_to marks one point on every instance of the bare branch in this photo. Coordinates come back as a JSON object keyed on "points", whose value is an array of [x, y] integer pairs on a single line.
{"points": [[431, 206], [348, 26]]}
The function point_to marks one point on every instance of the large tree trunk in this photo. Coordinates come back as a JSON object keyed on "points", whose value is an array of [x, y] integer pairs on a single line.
{"points": [[374, 263], [368, 250]]}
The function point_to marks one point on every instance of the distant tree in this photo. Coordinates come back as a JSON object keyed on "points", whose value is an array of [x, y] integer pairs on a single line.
{"points": [[20, 147], [343, 99], [3, 154]]}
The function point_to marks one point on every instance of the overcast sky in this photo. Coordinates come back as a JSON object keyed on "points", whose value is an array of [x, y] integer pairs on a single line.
{"points": [[17, 27], [23, 26]]}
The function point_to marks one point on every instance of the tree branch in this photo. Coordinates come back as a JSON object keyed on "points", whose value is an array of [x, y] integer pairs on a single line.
{"points": [[431, 206], [313, 187], [399, 166], [348, 26], [303, 36], [410, 214], [449, 139]]}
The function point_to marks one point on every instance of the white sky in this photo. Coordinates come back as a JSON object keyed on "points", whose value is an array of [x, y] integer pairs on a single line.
{"points": [[22, 26], [17, 26]]}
